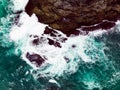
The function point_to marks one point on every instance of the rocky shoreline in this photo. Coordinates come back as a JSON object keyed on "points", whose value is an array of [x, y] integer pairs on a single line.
{"points": [[68, 15]]}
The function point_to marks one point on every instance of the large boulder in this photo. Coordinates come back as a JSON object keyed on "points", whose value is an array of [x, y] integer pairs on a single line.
{"points": [[67, 15]]}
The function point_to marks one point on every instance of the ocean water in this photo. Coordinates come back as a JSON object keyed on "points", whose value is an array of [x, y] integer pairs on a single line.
{"points": [[29, 62]]}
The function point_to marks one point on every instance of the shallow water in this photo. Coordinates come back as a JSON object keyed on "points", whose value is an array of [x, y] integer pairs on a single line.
{"points": [[90, 62]]}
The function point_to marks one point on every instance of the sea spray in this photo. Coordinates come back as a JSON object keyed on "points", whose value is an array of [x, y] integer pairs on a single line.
{"points": [[87, 66], [89, 62]]}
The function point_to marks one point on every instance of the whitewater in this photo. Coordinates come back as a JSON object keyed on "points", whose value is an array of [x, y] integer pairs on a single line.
{"points": [[83, 62]]}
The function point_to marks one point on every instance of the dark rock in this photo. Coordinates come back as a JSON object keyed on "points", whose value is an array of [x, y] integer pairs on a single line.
{"points": [[67, 15], [103, 25], [73, 46], [54, 34], [55, 43], [74, 32], [50, 31], [35, 58], [35, 41]]}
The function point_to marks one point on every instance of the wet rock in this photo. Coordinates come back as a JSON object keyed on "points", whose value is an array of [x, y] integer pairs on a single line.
{"points": [[67, 15], [73, 46], [35, 58], [35, 41], [52, 42], [103, 25], [57, 36], [51, 32]]}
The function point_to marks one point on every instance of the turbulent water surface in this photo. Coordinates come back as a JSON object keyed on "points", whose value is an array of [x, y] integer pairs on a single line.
{"points": [[30, 61]]}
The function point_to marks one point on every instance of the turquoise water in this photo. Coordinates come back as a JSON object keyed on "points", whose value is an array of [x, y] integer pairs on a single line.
{"points": [[102, 74], [13, 70]]}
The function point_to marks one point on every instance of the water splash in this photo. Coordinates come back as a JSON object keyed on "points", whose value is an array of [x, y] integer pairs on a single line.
{"points": [[88, 62]]}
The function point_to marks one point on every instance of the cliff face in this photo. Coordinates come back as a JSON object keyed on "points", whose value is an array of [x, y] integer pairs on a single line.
{"points": [[67, 15]]}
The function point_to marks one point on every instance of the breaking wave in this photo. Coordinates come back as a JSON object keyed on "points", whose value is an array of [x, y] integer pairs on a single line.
{"points": [[31, 59]]}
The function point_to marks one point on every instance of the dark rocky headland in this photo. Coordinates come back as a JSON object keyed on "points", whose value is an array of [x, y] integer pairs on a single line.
{"points": [[67, 15]]}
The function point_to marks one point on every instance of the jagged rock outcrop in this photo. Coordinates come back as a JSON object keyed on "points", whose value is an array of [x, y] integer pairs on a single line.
{"points": [[67, 15]]}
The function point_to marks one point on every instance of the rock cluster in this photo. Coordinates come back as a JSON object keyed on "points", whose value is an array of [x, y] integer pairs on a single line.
{"points": [[67, 15]]}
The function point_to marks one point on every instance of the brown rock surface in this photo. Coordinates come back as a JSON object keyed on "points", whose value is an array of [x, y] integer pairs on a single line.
{"points": [[67, 15]]}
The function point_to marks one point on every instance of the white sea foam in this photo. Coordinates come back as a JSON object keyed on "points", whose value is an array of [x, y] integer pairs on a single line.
{"points": [[19, 4], [55, 56], [28, 26]]}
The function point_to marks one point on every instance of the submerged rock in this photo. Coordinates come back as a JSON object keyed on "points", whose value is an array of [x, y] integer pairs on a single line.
{"points": [[67, 15]]}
